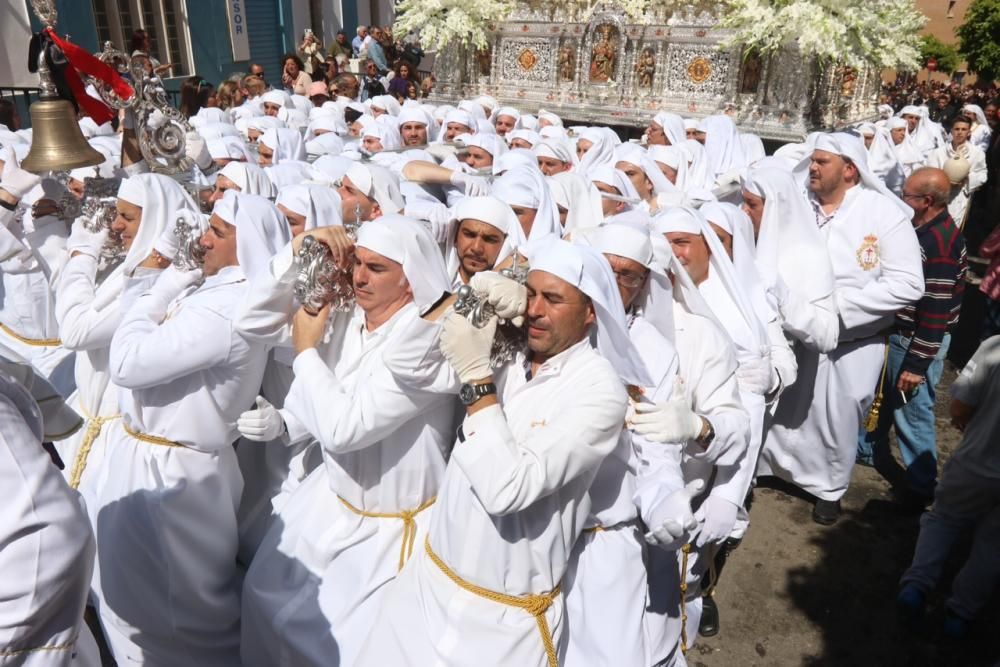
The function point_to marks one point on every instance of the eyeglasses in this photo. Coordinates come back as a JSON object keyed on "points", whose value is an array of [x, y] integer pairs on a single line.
{"points": [[913, 195], [629, 279]]}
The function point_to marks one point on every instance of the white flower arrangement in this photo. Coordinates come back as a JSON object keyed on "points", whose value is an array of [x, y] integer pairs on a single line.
{"points": [[854, 32], [442, 22], [857, 33]]}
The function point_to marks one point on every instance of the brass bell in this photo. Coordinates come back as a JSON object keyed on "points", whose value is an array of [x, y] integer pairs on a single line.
{"points": [[57, 144]]}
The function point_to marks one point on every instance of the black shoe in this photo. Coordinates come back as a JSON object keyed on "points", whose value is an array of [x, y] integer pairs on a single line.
{"points": [[826, 512], [709, 624]]}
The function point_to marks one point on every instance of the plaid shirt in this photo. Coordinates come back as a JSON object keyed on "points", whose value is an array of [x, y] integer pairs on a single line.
{"points": [[942, 249]]}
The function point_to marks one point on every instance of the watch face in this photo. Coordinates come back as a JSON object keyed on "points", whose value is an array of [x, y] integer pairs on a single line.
{"points": [[467, 393]]}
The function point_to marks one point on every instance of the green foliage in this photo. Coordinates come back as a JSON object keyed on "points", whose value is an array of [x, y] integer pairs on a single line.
{"points": [[947, 55], [979, 38]]}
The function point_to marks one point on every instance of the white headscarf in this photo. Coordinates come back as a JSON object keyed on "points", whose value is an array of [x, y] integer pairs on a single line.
{"points": [[580, 198], [555, 148], [386, 132], [851, 147], [513, 158], [286, 143], [407, 242], [789, 244], [699, 169], [261, 230], [249, 178], [744, 267], [675, 157], [882, 160], [320, 205], [627, 235], [635, 154], [409, 114], [387, 103], [377, 183], [493, 212], [278, 97], [550, 117], [602, 150], [530, 136], [228, 147], [526, 186], [928, 135], [512, 113], [587, 270], [325, 144], [617, 179], [722, 145], [673, 127], [329, 122], [161, 199], [462, 118], [491, 143]]}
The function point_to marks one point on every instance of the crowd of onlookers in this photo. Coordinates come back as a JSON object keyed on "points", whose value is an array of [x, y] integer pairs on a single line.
{"points": [[386, 66], [943, 99]]}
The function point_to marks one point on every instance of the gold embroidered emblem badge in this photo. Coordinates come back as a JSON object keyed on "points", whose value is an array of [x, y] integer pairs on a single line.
{"points": [[867, 253]]}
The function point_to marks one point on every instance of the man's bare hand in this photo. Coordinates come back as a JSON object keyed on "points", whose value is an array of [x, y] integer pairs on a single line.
{"points": [[307, 330], [908, 381]]}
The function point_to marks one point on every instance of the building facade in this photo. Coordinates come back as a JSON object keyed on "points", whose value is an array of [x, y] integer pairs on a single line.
{"points": [[210, 38]]}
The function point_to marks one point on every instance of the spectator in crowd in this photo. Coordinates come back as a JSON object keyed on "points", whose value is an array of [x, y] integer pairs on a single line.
{"points": [[967, 498], [411, 52], [358, 43], [311, 54], [371, 81], [918, 344], [293, 76], [340, 46], [196, 94], [376, 52], [257, 70], [229, 94], [141, 45], [405, 77], [345, 86]]}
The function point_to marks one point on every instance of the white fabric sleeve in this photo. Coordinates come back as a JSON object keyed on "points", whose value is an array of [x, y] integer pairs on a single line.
{"points": [[782, 358], [266, 312], [80, 326], [346, 421], [508, 475], [814, 323], [148, 351]]}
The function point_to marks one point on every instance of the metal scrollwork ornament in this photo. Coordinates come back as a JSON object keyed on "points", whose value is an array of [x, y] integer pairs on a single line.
{"points": [[509, 339], [96, 211], [320, 280], [160, 129], [190, 253]]}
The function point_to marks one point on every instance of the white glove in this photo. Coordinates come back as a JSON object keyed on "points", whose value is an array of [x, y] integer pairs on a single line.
{"points": [[262, 424], [508, 297], [673, 421], [474, 186], [717, 517], [15, 180], [196, 149], [86, 242], [168, 244], [441, 221], [172, 281], [756, 375], [672, 519], [467, 348]]}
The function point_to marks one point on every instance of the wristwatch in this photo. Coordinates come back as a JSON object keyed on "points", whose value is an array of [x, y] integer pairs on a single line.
{"points": [[470, 393], [706, 440]]}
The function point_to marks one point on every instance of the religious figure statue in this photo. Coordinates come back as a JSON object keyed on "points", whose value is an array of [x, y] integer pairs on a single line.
{"points": [[484, 59], [752, 69], [567, 63], [603, 56], [848, 81], [645, 68]]}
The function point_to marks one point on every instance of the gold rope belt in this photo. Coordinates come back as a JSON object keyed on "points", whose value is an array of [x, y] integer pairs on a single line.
{"points": [[871, 421], [94, 426], [151, 439], [599, 528], [34, 342], [685, 550], [409, 525], [535, 604]]}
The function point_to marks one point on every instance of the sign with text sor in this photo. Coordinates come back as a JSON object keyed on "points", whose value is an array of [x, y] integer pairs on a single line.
{"points": [[238, 35]]}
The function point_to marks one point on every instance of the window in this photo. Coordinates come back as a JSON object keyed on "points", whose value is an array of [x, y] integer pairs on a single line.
{"points": [[164, 20]]}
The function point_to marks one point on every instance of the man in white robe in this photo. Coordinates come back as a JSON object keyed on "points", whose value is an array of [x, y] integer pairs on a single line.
{"points": [[48, 548], [485, 583], [169, 484], [486, 233], [959, 149], [877, 267], [342, 536]]}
